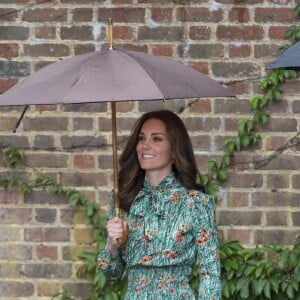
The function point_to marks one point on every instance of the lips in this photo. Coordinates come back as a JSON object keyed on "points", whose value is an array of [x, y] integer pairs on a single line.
{"points": [[147, 156]]}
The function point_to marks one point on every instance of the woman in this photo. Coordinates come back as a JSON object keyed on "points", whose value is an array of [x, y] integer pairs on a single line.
{"points": [[170, 219]]}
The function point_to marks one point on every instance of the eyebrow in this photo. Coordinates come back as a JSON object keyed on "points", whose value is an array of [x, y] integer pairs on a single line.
{"points": [[154, 133]]}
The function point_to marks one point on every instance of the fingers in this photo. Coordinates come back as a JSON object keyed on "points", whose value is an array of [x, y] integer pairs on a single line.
{"points": [[115, 229]]}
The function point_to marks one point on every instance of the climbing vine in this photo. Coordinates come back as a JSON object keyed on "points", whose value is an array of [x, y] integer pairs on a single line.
{"points": [[246, 273]]}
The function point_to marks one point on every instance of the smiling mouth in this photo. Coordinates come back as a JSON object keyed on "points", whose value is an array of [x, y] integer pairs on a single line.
{"points": [[147, 156]]}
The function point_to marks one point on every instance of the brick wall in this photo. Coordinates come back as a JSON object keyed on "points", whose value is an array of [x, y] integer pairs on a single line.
{"points": [[230, 40]]}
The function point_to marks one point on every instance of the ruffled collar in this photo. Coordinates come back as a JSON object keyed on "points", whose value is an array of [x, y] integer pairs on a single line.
{"points": [[153, 198], [168, 182]]}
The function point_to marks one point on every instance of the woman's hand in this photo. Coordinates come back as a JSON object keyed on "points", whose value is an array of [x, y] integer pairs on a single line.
{"points": [[115, 231]]}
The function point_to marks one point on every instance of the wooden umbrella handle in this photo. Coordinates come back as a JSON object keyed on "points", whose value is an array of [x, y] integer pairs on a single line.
{"points": [[116, 174]]}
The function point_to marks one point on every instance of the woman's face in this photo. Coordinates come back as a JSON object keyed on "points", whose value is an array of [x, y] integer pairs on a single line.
{"points": [[154, 149]]}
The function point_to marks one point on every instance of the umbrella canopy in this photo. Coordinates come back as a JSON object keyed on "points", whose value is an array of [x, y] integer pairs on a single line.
{"points": [[112, 75], [290, 58]]}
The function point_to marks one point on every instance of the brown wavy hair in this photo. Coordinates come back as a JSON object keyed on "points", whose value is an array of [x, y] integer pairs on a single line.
{"points": [[131, 176]]}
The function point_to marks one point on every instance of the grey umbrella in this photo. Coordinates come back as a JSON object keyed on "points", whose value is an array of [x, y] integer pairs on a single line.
{"points": [[112, 75], [290, 58]]}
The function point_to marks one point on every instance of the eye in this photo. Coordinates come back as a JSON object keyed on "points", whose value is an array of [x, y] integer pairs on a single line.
{"points": [[141, 138], [157, 139]]}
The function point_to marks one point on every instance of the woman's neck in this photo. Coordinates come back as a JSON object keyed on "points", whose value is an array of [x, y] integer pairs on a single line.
{"points": [[154, 178]]}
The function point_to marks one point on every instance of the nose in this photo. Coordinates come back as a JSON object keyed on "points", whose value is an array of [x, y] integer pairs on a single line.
{"points": [[146, 145]]}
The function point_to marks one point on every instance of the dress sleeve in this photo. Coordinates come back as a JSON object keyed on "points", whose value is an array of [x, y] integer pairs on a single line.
{"points": [[207, 244], [112, 266]]}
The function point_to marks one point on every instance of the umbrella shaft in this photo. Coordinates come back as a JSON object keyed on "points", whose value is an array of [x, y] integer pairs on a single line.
{"points": [[115, 160]]}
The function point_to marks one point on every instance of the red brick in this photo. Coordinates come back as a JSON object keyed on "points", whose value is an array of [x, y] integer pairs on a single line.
{"points": [[122, 1], [296, 182], [8, 14], [202, 51], [163, 50], [48, 50], [83, 48], [266, 51], [201, 142], [239, 87], [16, 215], [202, 67], [199, 14], [296, 218], [47, 160], [84, 161], [94, 2], [122, 32], [244, 180], [239, 50], [201, 106], [199, 33], [275, 199], [235, 69], [273, 237], [7, 124], [17, 289], [9, 50], [238, 199], [239, 32], [274, 14], [83, 15], [47, 252], [277, 218], [241, 235], [6, 84], [239, 14], [80, 33], [239, 218], [122, 15], [161, 15], [45, 32], [161, 33], [9, 196], [275, 142], [236, 2], [82, 123], [282, 125], [84, 179], [45, 15], [277, 32], [278, 181], [48, 289]]}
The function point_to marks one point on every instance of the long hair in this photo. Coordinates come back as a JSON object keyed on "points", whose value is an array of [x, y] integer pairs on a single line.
{"points": [[131, 176]]}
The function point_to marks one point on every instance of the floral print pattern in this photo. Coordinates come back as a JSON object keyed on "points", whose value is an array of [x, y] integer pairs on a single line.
{"points": [[168, 227]]}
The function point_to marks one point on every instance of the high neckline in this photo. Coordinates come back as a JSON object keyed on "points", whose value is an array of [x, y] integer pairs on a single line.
{"points": [[165, 182]]}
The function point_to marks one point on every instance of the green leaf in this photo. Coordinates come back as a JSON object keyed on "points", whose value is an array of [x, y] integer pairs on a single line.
{"points": [[260, 286], [222, 175], [211, 188], [267, 290], [245, 141], [226, 160], [212, 164], [290, 292], [275, 285], [202, 179], [230, 146]]}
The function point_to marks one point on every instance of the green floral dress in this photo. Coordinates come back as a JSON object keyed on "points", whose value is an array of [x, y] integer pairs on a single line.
{"points": [[168, 227]]}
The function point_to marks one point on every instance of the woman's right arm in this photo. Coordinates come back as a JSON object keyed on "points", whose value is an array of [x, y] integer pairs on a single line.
{"points": [[110, 259]]}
